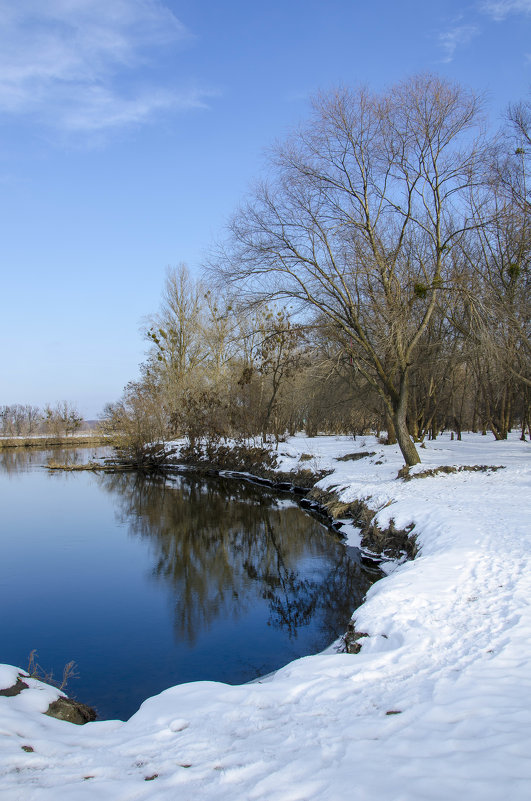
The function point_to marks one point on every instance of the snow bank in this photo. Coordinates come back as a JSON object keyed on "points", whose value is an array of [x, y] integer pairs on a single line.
{"points": [[436, 706]]}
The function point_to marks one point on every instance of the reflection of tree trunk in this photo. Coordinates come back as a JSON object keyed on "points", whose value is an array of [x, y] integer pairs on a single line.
{"points": [[296, 599], [282, 573]]}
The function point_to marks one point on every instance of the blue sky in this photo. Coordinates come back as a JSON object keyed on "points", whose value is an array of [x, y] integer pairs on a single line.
{"points": [[130, 129]]}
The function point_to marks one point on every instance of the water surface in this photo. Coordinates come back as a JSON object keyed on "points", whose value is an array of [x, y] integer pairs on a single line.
{"points": [[150, 582]]}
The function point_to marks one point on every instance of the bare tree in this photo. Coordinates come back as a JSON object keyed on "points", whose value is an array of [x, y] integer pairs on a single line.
{"points": [[496, 310], [138, 424], [277, 359], [61, 419], [359, 221], [33, 417], [175, 332]]}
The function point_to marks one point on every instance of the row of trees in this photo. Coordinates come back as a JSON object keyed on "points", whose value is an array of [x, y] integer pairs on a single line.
{"points": [[18, 420], [377, 280]]}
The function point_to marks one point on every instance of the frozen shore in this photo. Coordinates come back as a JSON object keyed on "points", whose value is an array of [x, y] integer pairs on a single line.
{"points": [[436, 705]]}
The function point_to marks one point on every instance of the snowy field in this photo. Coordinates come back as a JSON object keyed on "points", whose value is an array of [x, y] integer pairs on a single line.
{"points": [[436, 706]]}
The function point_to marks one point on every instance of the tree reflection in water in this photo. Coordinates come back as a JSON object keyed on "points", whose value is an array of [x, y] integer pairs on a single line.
{"points": [[219, 544]]}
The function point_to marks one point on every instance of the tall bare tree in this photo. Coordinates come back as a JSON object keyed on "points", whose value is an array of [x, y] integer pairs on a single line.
{"points": [[496, 256], [176, 331], [359, 220]]}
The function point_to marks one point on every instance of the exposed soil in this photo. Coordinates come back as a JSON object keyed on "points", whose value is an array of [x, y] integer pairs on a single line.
{"points": [[391, 542], [433, 471], [354, 457], [63, 708], [71, 711], [352, 638], [15, 689]]}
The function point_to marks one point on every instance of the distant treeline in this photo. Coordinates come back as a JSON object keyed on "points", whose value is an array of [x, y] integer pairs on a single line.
{"points": [[25, 420], [378, 280]]}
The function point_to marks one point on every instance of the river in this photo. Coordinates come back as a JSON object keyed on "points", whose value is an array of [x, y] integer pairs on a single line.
{"points": [[147, 582]]}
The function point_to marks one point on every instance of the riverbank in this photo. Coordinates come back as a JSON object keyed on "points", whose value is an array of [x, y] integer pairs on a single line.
{"points": [[75, 441], [436, 704], [289, 472]]}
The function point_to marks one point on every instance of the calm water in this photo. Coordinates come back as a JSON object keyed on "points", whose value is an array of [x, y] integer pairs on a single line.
{"points": [[147, 583]]}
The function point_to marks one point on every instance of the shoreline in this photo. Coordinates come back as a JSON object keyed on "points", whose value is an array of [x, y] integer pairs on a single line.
{"points": [[438, 690], [74, 441], [376, 545], [323, 506]]}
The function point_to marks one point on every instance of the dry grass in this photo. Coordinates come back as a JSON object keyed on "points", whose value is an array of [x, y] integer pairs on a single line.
{"points": [[52, 442], [36, 671]]}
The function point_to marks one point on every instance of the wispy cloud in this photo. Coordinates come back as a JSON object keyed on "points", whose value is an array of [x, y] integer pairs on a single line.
{"points": [[82, 64], [455, 37], [500, 9]]}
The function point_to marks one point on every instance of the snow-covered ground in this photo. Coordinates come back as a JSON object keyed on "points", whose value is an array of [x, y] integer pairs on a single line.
{"points": [[437, 705]]}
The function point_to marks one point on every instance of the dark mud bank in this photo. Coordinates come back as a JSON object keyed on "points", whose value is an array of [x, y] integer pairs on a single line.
{"points": [[63, 708]]}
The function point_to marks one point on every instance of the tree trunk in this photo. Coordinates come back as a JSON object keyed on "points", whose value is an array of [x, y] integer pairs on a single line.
{"points": [[409, 452], [391, 433]]}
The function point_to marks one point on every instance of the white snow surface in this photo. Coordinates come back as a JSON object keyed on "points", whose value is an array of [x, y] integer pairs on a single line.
{"points": [[448, 653]]}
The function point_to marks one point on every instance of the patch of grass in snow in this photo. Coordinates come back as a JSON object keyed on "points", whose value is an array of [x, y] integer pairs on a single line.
{"points": [[433, 471]]}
